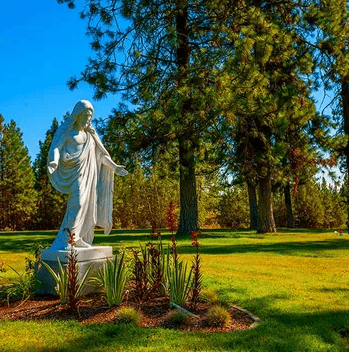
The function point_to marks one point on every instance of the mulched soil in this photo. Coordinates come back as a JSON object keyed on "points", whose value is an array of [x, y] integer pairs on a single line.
{"points": [[92, 309]]}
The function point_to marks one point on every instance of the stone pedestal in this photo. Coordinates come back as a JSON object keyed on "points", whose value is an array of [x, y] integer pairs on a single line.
{"points": [[86, 256]]}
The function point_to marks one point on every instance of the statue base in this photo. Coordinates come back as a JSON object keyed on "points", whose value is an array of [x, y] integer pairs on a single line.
{"points": [[95, 255]]}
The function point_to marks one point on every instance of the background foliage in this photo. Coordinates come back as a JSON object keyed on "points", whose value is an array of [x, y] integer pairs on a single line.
{"points": [[28, 200]]}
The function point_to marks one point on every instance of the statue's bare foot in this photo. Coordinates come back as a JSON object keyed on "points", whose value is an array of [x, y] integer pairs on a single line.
{"points": [[82, 244]]}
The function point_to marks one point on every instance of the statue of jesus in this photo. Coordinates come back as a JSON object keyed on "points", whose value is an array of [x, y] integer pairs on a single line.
{"points": [[79, 165]]}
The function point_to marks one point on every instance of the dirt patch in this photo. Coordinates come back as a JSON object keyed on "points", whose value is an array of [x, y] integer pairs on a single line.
{"points": [[92, 309]]}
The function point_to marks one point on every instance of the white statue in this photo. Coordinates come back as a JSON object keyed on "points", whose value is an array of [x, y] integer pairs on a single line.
{"points": [[79, 165]]}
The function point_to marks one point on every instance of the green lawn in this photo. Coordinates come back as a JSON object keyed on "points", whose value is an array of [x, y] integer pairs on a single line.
{"points": [[296, 282]]}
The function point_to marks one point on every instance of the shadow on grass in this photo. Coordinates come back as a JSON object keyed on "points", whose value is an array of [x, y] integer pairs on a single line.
{"points": [[333, 289], [308, 248], [299, 231], [280, 332], [135, 239], [24, 241]]}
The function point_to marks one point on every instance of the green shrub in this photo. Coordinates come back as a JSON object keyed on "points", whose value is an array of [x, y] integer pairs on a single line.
{"points": [[177, 318], [128, 316], [23, 288], [209, 296], [217, 316]]}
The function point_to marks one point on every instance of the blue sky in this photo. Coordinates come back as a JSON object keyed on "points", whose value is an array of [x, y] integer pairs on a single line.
{"points": [[42, 44]]}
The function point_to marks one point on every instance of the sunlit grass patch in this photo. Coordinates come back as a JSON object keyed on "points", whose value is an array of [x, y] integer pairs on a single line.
{"points": [[265, 282], [15, 261]]}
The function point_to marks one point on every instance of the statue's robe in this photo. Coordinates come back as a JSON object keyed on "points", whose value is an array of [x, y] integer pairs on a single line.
{"points": [[89, 184]]}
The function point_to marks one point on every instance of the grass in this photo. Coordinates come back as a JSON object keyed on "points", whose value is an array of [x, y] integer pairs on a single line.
{"points": [[296, 282]]}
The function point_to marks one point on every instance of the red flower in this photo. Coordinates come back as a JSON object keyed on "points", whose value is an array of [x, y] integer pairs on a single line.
{"points": [[71, 239], [194, 237]]}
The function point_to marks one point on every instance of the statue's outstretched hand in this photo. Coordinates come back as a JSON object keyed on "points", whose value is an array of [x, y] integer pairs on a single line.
{"points": [[120, 170]]}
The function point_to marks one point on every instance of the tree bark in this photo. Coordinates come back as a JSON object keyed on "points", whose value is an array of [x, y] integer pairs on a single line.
{"points": [[288, 204], [345, 102], [252, 197], [266, 222], [188, 218]]}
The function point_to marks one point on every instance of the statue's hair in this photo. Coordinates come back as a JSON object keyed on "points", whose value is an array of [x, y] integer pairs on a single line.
{"points": [[80, 107]]}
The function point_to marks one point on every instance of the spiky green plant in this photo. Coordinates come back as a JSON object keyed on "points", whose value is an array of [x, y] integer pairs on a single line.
{"points": [[159, 259], [179, 279], [112, 278], [140, 274], [61, 280], [196, 267]]}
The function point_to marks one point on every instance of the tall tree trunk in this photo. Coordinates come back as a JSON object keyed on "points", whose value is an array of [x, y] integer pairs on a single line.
{"points": [[288, 204], [252, 198], [266, 222], [345, 101], [188, 218]]}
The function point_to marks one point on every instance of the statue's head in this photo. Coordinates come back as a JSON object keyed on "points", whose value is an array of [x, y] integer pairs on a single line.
{"points": [[82, 113], [81, 106]]}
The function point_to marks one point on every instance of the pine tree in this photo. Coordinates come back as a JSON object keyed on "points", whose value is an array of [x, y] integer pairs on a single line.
{"points": [[17, 193], [328, 23], [233, 207], [167, 72], [200, 74], [270, 62], [51, 203]]}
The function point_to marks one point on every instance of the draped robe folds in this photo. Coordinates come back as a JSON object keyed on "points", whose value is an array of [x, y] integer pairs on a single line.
{"points": [[89, 184]]}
